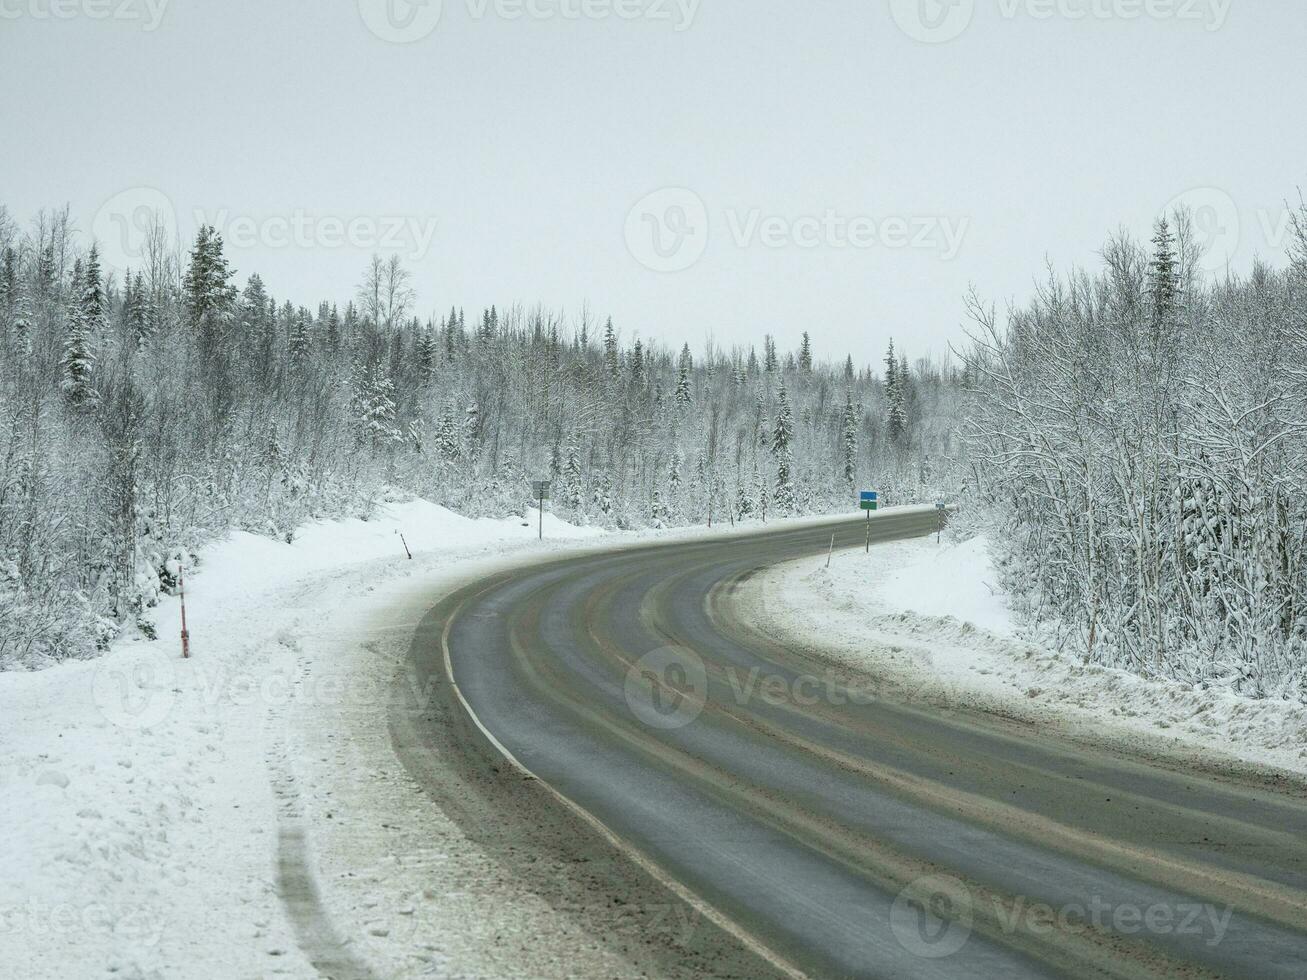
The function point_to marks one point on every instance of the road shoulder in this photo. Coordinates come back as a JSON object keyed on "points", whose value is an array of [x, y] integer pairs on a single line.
{"points": [[887, 614]]}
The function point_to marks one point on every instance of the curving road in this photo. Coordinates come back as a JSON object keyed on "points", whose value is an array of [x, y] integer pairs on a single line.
{"points": [[845, 828]]}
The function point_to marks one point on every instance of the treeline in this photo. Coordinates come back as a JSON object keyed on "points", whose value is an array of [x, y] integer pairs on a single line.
{"points": [[1142, 434], [144, 413]]}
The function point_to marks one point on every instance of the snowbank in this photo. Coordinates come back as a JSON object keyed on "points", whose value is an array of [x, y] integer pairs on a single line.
{"points": [[954, 580], [140, 794], [933, 615]]}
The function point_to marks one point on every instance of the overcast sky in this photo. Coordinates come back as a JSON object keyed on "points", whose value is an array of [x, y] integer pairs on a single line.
{"points": [[691, 167]]}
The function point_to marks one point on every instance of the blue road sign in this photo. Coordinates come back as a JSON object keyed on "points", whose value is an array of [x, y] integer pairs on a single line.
{"points": [[870, 496]]}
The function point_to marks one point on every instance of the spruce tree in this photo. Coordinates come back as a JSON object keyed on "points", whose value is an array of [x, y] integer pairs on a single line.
{"points": [[1163, 276], [895, 396], [452, 336], [24, 322], [426, 355], [8, 284], [782, 448], [297, 346], [610, 349], [850, 440], [572, 474], [93, 304], [78, 360], [683, 392], [208, 290], [140, 319], [449, 443], [637, 363]]}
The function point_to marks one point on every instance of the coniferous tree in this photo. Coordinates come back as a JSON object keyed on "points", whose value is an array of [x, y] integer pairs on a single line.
{"points": [[572, 475], [209, 293], [637, 362], [449, 443], [93, 304], [782, 449], [297, 348], [610, 349], [896, 398], [850, 440], [140, 322], [683, 393], [426, 355], [24, 322], [333, 329], [78, 355], [8, 283], [1164, 280]]}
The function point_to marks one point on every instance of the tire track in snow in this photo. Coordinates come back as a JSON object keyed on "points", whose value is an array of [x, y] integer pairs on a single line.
{"points": [[297, 884]]}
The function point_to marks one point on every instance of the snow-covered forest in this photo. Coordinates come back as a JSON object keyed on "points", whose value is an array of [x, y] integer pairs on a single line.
{"points": [[145, 412], [1142, 435]]}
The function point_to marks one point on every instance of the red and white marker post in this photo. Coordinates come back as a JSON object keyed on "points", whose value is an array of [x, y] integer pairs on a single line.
{"points": [[186, 636]]}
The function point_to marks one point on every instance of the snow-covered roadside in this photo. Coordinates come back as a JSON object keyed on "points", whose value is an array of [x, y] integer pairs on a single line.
{"points": [[932, 616], [139, 793], [152, 809]]}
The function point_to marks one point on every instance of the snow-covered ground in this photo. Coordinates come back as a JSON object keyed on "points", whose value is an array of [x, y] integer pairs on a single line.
{"points": [[145, 800], [933, 615], [154, 810]]}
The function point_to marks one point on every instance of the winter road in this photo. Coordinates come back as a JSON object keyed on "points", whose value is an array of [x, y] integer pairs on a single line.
{"points": [[845, 830]]}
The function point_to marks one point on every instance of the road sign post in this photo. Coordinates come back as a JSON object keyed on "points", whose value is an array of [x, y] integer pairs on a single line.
{"points": [[941, 510], [541, 490], [869, 500]]}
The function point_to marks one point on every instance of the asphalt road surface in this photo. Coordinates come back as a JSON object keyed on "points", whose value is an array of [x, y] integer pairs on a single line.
{"points": [[848, 828]]}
